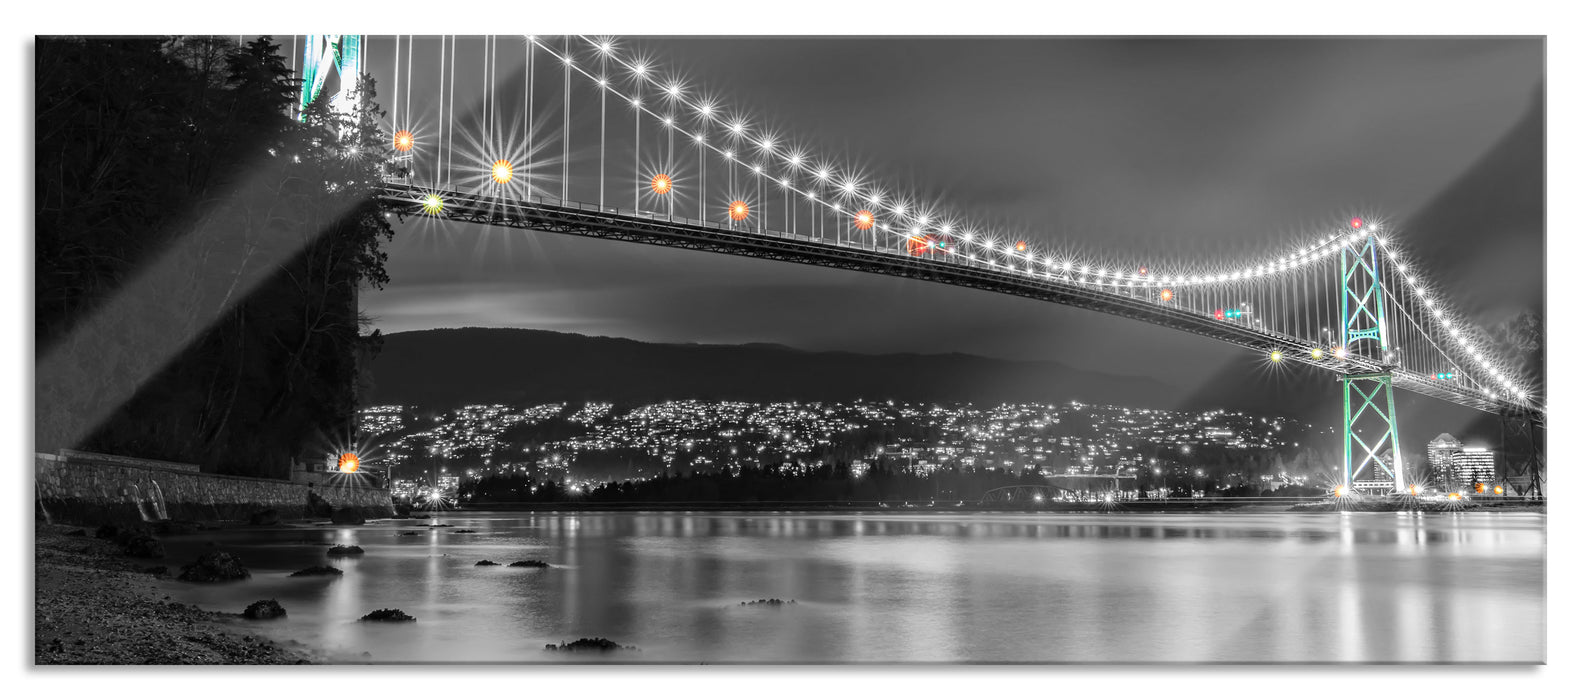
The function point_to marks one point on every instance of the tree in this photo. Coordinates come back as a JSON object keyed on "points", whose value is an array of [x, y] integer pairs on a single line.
{"points": [[173, 187]]}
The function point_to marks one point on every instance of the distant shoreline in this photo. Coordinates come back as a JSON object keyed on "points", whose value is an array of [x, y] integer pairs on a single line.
{"points": [[1130, 507]]}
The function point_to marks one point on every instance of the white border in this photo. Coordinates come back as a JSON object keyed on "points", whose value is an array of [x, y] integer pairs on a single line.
{"points": [[658, 17]]}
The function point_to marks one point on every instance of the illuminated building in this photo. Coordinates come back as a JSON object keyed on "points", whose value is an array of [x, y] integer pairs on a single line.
{"points": [[1474, 465], [1442, 453]]}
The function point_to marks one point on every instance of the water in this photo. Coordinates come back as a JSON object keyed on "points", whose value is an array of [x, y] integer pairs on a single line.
{"points": [[1226, 587]]}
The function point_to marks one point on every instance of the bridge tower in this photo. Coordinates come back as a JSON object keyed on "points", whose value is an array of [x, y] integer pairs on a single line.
{"points": [[1521, 453], [1372, 444], [326, 53]]}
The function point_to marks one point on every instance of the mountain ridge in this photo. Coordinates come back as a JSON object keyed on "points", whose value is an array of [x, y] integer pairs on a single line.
{"points": [[508, 365]]}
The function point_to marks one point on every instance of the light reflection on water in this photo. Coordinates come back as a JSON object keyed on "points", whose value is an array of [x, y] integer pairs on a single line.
{"points": [[905, 588]]}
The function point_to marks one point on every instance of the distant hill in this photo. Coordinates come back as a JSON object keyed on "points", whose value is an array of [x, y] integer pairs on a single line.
{"points": [[449, 367]]}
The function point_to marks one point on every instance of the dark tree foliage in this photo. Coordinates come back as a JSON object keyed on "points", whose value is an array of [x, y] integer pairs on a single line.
{"points": [[176, 197]]}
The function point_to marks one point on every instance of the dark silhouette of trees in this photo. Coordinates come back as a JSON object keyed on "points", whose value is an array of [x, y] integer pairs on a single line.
{"points": [[175, 189]]}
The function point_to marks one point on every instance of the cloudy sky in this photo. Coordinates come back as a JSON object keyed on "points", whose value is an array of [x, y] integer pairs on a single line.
{"points": [[1150, 150]]}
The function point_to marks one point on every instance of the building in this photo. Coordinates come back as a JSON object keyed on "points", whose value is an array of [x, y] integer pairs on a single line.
{"points": [[1473, 465], [1442, 453]]}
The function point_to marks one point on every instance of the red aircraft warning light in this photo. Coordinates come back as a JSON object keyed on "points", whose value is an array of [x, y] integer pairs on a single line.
{"points": [[662, 184], [738, 210], [1021, 246], [1356, 222], [403, 140], [1166, 295], [347, 463], [1142, 270]]}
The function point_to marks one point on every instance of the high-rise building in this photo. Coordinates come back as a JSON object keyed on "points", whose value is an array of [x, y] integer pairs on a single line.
{"points": [[1474, 465], [1442, 453]]}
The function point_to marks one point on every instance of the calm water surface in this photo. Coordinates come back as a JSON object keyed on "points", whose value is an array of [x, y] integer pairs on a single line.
{"points": [[1247, 587]]}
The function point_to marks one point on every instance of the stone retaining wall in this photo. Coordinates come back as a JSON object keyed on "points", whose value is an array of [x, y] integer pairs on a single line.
{"points": [[93, 491]]}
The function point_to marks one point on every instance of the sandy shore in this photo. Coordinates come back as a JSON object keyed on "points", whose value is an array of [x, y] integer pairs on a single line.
{"points": [[94, 605]]}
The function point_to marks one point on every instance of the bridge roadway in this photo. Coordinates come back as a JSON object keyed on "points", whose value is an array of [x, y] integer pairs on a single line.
{"points": [[592, 221]]}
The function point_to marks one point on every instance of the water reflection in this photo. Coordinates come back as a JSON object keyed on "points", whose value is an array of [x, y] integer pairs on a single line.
{"points": [[992, 587]]}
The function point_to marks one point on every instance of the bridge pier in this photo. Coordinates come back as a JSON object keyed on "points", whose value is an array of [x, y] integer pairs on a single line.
{"points": [[1370, 424], [1521, 453]]}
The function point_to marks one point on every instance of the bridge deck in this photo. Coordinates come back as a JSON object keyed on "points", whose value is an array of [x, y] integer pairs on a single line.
{"points": [[581, 219]]}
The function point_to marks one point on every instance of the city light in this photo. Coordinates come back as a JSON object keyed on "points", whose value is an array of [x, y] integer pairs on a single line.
{"points": [[661, 184], [403, 140], [501, 172]]}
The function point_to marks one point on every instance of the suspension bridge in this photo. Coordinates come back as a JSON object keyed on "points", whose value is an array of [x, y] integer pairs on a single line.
{"points": [[592, 139]]}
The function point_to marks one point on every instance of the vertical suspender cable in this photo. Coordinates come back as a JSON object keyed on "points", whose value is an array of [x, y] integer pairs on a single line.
{"points": [[603, 93], [450, 147], [439, 156], [528, 119], [565, 127]]}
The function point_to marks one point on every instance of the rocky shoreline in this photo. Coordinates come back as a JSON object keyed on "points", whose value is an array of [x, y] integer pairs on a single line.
{"points": [[93, 604]]}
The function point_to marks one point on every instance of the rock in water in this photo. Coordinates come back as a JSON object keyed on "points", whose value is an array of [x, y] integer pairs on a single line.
{"points": [[264, 610], [598, 644], [486, 562], [388, 615], [342, 551], [530, 564], [318, 571], [144, 547], [212, 567]]}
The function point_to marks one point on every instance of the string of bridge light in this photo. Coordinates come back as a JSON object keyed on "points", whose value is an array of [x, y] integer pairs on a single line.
{"points": [[849, 187], [1021, 251], [708, 111], [863, 219], [1446, 319]]}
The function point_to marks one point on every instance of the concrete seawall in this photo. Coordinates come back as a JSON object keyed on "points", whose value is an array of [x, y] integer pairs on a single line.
{"points": [[92, 489]]}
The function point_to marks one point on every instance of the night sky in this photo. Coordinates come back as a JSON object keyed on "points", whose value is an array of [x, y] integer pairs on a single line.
{"points": [[1145, 150]]}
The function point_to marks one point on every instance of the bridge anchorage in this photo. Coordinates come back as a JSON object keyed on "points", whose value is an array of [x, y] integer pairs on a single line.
{"points": [[659, 162]]}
